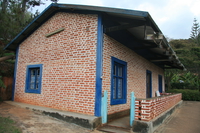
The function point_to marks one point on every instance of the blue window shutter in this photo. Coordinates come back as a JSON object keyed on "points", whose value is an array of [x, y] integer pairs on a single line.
{"points": [[33, 78], [118, 81]]}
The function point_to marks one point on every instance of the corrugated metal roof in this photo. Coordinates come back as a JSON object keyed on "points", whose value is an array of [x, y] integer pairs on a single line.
{"points": [[137, 24]]}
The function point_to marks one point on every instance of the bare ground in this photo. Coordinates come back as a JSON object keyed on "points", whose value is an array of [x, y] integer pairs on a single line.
{"points": [[34, 122]]}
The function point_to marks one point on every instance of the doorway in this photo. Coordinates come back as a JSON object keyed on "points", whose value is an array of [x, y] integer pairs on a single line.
{"points": [[160, 87], [148, 84]]}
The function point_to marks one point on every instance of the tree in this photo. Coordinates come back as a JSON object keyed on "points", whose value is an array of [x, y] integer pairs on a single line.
{"points": [[14, 16], [195, 33], [12, 20], [188, 51]]}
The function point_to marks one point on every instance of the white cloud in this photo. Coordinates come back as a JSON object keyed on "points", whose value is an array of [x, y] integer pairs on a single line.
{"points": [[194, 8], [173, 17], [82, 2]]}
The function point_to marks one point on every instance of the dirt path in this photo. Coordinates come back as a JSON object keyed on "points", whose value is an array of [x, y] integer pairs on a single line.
{"points": [[35, 122]]}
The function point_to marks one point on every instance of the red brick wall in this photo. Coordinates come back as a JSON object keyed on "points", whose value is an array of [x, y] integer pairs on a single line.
{"points": [[148, 109], [136, 72], [69, 63]]}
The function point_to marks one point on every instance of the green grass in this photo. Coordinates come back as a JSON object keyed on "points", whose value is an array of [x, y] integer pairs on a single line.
{"points": [[8, 126]]}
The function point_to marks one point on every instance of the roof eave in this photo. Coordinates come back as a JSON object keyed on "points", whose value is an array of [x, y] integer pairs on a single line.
{"points": [[55, 7]]}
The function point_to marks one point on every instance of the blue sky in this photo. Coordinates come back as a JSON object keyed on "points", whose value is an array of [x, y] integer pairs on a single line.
{"points": [[173, 17]]}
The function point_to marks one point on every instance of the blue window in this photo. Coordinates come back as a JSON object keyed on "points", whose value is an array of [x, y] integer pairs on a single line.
{"points": [[118, 81], [33, 79]]}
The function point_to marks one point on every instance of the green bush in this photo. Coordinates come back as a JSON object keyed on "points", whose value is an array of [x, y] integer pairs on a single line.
{"points": [[184, 86], [189, 95], [186, 80]]}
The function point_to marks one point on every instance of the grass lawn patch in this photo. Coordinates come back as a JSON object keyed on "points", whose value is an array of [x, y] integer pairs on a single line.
{"points": [[8, 126]]}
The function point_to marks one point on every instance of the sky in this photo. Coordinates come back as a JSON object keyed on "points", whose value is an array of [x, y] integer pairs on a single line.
{"points": [[173, 17]]}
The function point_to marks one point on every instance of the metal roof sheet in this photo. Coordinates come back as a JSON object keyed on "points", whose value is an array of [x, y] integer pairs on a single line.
{"points": [[119, 17]]}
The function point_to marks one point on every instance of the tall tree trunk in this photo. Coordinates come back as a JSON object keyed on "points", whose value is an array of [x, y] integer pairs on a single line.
{"points": [[24, 5], [24, 2], [4, 5]]}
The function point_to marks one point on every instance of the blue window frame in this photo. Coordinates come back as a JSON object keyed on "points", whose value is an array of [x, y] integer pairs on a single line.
{"points": [[118, 81], [33, 78]]}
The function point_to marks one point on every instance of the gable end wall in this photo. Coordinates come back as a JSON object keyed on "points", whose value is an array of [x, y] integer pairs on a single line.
{"points": [[69, 63]]}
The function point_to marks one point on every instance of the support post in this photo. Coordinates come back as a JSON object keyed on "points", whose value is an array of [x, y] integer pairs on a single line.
{"points": [[104, 110], [132, 110]]}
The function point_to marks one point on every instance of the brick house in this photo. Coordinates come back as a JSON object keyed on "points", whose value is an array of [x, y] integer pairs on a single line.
{"points": [[70, 54]]}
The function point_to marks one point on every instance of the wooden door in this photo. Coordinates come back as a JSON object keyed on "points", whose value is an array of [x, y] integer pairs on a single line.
{"points": [[148, 85]]}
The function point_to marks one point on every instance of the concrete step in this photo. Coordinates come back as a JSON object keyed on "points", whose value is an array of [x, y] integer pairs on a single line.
{"points": [[113, 129], [120, 125], [123, 122]]}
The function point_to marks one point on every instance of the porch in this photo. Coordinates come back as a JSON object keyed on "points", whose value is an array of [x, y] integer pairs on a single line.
{"points": [[152, 112], [149, 114], [150, 108]]}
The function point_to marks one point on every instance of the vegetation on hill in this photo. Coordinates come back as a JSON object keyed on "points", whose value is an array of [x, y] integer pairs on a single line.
{"points": [[188, 51]]}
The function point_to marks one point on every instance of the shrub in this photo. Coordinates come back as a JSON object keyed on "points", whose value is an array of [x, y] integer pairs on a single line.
{"points": [[189, 95], [184, 86]]}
